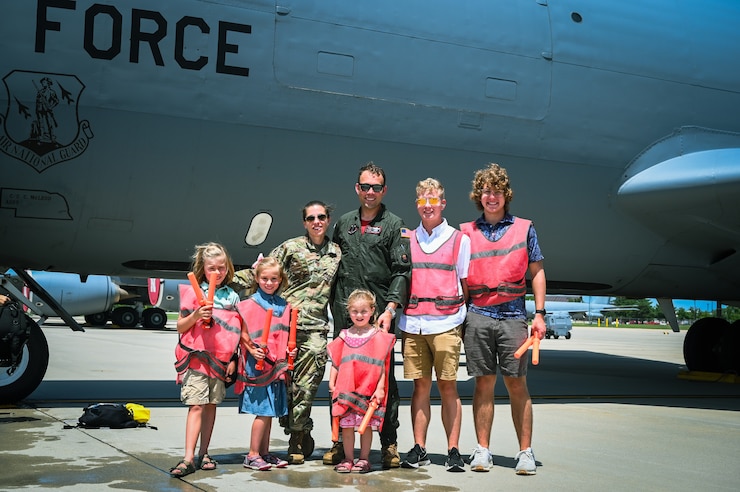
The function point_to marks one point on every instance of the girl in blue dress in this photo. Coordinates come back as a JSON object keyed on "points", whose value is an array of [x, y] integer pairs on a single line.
{"points": [[263, 366]]}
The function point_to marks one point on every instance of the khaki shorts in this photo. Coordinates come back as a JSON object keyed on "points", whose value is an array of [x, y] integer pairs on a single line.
{"points": [[441, 351], [199, 389]]}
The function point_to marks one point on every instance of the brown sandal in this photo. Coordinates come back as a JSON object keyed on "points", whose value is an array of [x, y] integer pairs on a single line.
{"points": [[182, 469], [207, 463]]}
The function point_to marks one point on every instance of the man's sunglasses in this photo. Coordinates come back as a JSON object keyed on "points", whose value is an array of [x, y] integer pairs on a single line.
{"points": [[366, 187]]}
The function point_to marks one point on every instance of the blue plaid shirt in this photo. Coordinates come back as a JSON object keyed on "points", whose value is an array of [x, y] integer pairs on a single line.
{"points": [[513, 309]]}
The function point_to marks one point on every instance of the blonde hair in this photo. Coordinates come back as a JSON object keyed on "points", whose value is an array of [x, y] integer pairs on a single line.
{"points": [[430, 185], [268, 262], [494, 178], [207, 251], [362, 295]]}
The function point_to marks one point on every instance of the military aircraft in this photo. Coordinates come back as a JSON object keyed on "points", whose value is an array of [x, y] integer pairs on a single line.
{"points": [[131, 131], [594, 308], [124, 301]]}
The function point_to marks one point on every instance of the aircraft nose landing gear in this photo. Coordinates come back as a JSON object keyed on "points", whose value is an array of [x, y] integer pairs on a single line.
{"points": [[24, 358]]}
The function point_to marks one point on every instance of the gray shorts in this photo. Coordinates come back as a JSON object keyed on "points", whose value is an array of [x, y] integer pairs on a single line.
{"points": [[491, 343]]}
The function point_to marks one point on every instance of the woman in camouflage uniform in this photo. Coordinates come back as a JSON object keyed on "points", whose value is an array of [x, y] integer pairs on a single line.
{"points": [[310, 261]]}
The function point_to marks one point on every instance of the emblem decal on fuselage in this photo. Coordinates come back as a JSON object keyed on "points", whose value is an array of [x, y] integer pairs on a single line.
{"points": [[41, 125]]}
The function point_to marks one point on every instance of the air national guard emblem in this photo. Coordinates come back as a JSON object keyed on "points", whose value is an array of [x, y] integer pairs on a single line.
{"points": [[41, 126]]}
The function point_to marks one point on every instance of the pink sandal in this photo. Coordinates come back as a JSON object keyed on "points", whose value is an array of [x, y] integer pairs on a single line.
{"points": [[344, 467], [362, 466]]}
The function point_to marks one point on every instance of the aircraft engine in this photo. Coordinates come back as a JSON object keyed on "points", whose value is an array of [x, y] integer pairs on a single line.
{"points": [[164, 294], [97, 294]]}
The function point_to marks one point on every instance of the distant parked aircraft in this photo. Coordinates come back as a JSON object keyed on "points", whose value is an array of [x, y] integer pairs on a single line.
{"points": [[595, 308]]}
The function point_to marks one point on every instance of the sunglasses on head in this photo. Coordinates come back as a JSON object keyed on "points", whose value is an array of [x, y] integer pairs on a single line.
{"points": [[311, 218], [432, 201], [366, 187]]}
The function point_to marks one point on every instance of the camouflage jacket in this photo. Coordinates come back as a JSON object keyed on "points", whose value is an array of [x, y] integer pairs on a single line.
{"points": [[310, 272]]}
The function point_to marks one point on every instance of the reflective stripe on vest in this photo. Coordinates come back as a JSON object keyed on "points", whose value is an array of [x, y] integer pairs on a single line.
{"points": [[497, 268], [204, 348], [434, 280], [276, 363], [359, 371]]}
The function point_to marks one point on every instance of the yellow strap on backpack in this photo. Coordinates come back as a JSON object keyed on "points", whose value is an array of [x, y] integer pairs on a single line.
{"points": [[140, 413]]}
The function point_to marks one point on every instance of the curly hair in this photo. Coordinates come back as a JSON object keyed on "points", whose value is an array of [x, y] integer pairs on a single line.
{"points": [[494, 177]]}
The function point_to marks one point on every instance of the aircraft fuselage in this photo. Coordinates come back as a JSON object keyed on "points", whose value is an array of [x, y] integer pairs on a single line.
{"points": [[131, 131]]}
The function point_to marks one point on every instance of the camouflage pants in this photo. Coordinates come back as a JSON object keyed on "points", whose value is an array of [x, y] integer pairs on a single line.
{"points": [[309, 368]]}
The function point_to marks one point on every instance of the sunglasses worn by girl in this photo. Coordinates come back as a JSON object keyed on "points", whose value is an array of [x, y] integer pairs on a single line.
{"points": [[311, 218]]}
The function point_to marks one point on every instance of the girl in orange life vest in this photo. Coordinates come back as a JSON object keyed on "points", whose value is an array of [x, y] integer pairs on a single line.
{"points": [[263, 393], [360, 358], [209, 336]]}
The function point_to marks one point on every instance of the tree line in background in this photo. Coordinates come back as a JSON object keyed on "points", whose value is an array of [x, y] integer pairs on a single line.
{"points": [[646, 312]]}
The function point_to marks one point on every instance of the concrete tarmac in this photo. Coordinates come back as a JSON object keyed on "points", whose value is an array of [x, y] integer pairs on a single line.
{"points": [[610, 413]]}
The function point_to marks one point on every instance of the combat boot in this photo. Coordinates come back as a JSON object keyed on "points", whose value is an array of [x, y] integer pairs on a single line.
{"points": [[295, 448], [335, 454], [390, 457]]}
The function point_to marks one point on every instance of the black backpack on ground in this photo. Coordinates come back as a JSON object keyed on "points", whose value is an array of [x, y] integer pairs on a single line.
{"points": [[113, 415]]}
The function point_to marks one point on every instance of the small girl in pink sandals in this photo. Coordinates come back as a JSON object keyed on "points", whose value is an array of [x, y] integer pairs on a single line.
{"points": [[361, 357]]}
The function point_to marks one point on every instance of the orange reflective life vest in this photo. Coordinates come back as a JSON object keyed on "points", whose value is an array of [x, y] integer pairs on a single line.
{"points": [[204, 348], [359, 371], [434, 280], [497, 268], [276, 360]]}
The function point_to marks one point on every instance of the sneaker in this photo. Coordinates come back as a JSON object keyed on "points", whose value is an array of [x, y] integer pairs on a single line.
{"points": [[481, 459], [390, 457], [525, 464], [274, 460], [256, 463], [454, 462], [416, 457], [335, 455]]}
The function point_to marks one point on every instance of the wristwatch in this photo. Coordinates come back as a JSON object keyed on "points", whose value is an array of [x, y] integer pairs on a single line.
{"points": [[392, 311], [540, 311]]}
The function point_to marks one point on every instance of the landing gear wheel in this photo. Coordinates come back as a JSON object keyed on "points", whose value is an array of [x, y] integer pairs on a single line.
{"points": [[125, 317], [154, 318], [29, 373], [702, 344], [99, 319], [729, 358], [307, 445]]}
